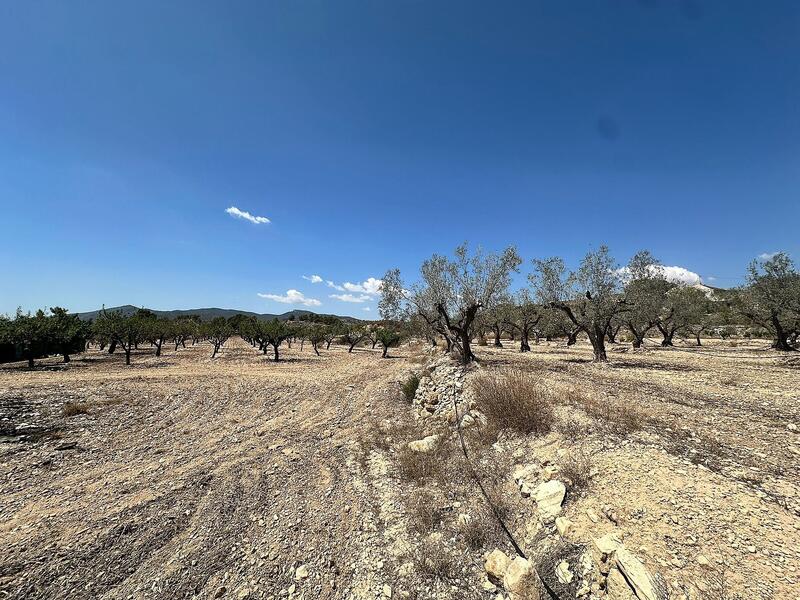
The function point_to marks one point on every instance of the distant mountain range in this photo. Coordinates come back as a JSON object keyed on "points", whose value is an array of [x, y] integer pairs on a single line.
{"points": [[207, 314]]}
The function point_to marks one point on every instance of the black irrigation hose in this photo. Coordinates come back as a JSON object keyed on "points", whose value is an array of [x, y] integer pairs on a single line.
{"points": [[480, 484]]}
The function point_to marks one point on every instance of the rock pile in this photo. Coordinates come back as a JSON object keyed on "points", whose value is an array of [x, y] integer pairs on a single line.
{"points": [[438, 382]]}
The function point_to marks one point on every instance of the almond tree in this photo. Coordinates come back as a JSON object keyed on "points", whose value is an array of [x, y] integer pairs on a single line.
{"points": [[121, 330], [274, 333], [590, 297], [218, 331], [353, 334], [67, 332]]}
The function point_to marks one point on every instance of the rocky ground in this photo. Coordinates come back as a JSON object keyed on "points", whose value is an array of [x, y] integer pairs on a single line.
{"points": [[186, 477]]}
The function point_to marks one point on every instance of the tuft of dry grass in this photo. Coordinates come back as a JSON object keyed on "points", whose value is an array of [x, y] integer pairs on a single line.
{"points": [[576, 469], [622, 419], [424, 514], [431, 558], [417, 466], [515, 400], [70, 409]]}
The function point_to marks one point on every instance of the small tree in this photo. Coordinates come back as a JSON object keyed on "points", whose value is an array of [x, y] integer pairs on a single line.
{"points": [[318, 333], [353, 334], [683, 306], [645, 291], [524, 315], [67, 332], [28, 333], [771, 299], [388, 335], [121, 330], [589, 297], [275, 332], [218, 331]]}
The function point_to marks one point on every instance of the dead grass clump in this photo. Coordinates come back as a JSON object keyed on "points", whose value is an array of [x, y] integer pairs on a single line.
{"points": [[481, 529], [417, 466], [70, 409], [424, 515], [621, 419], [576, 469], [515, 400], [431, 558], [572, 429]]}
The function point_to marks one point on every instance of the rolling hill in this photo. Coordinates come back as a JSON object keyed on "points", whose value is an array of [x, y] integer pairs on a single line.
{"points": [[208, 313]]}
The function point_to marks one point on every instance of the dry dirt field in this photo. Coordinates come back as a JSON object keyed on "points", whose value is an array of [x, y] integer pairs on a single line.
{"points": [[236, 477]]}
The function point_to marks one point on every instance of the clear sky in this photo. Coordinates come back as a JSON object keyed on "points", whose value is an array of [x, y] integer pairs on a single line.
{"points": [[373, 134]]}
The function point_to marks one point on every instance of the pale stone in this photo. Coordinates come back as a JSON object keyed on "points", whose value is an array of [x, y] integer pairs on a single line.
{"points": [[563, 572], [564, 525], [301, 572], [516, 574], [607, 544], [426, 444], [496, 564], [549, 497], [637, 575]]}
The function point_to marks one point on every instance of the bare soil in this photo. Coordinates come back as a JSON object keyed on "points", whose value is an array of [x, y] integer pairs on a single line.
{"points": [[197, 478]]}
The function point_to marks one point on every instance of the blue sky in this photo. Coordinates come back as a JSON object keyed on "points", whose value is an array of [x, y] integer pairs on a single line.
{"points": [[372, 134]]}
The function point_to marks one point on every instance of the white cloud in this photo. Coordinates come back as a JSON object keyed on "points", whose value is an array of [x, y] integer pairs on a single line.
{"points": [[681, 275], [366, 308], [371, 286], [243, 214], [767, 255], [351, 298], [674, 274], [313, 278], [334, 286], [292, 297]]}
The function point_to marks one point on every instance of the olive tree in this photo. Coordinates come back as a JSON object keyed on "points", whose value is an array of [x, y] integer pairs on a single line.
{"points": [[522, 317], [683, 306], [65, 331], [646, 287], [458, 289], [590, 297], [771, 299]]}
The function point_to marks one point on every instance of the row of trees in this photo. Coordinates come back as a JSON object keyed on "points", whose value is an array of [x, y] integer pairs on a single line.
{"points": [[41, 334], [464, 297]]}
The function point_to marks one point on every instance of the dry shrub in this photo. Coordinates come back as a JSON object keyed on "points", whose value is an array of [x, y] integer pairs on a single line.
{"points": [[424, 514], [572, 429], [417, 466], [576, 469], [70, 409], [431, 558], [515, 400], [615, 417], [482, 529]]}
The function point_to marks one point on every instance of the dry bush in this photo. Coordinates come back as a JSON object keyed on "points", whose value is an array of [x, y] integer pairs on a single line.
{"points": [[615, 417], [424, 514], [482, 529], [431, 558], [572, 429], [576, 469], [515, 400], [418, 466], [70, 409]]}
